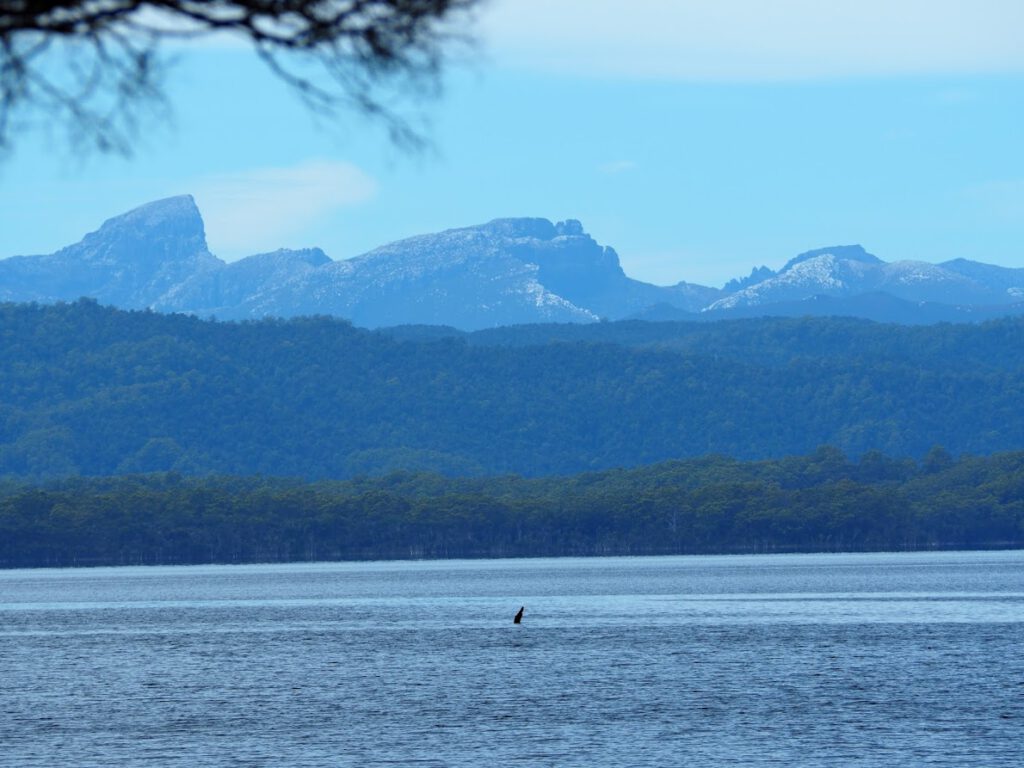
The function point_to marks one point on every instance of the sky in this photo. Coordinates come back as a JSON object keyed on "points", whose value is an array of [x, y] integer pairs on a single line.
{"points": [[699, 138]]}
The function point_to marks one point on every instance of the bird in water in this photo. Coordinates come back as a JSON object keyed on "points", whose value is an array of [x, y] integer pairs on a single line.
{"points": [[519, 616]]}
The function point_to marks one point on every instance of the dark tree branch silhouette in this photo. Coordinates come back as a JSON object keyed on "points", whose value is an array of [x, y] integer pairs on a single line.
{"points": [[96, 68]]}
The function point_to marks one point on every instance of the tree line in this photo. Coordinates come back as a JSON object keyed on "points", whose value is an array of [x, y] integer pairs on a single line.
{"points": [[819, 502]]}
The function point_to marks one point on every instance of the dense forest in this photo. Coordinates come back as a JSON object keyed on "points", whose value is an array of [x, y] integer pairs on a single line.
{"points": [[87, 390], [819, 502]]}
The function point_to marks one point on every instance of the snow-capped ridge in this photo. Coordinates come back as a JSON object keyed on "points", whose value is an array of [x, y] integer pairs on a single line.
{"points": [[501, 272], [840, 252], [844, 271]]}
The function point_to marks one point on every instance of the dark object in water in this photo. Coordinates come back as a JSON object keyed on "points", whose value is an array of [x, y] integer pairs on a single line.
{"points": [[519, 616]]}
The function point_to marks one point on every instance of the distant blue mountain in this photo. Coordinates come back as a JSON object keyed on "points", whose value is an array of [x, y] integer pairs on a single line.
{"points": [[507, 271], [131, 261], [846, 272]]}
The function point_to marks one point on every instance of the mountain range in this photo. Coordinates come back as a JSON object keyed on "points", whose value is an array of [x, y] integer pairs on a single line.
{"points": [[504, 272]]}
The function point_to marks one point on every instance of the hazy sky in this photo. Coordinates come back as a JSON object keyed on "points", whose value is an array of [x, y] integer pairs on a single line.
{"points": [[700, 139]]}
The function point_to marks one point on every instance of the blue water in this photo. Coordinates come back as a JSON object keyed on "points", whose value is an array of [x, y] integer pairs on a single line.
{"points": [[796, 660]]}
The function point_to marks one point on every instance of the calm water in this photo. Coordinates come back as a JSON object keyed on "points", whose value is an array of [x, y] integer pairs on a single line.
{"points": [[804, 660]]}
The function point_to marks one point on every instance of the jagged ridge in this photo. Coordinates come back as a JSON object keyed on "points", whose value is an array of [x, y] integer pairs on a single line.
{"points": [[507, 271]]}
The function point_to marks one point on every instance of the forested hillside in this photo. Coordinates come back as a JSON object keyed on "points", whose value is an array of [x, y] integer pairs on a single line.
{"points": [[89, 390], [821, 502]]}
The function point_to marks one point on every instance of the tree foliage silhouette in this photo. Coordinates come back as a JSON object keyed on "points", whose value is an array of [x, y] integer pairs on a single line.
{"points": [[97, 68]]}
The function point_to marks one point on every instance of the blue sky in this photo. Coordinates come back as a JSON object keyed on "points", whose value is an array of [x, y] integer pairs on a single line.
{"points": [[700, 139]]}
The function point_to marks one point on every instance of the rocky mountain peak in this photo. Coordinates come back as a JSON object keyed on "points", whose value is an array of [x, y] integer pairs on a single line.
{"points": [[757, 275], [310, 257], [569, 228], [130, 261], [168, 229], [839, 252], [176, 210]]}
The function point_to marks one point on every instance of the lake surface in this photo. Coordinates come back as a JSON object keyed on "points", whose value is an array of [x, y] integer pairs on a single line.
{"points": [[796, 660]]}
